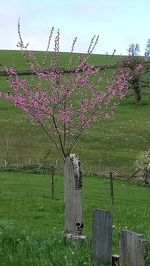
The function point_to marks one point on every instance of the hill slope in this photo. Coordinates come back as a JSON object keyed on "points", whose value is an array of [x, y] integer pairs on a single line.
{"points": [[110, 145]]}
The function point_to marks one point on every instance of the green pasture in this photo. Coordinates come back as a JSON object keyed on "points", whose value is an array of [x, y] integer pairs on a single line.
{"points": [[31, 222], [111, 145]]}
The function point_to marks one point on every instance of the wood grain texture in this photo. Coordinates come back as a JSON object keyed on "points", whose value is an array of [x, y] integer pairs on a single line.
{"points": [[102, 237]]}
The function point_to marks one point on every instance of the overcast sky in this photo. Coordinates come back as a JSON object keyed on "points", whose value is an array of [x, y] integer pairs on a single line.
{"points": [[118, 22]]}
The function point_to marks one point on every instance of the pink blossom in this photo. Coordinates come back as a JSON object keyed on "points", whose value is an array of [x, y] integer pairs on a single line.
{"points": [[65, 105], [83, 80], [65, 115]]}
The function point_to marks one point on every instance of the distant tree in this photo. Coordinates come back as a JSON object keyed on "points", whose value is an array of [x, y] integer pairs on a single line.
{"points": [[139, 69], [136, 68], [134, 49], [147, 49]]}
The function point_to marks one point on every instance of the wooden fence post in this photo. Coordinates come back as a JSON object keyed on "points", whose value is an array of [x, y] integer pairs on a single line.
{"points": [[102, 237], [52, 181], [111, 188], [133, 249]]}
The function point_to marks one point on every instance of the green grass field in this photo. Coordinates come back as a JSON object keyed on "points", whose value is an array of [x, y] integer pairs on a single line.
{"points": [[31, 223], [111, 145]]}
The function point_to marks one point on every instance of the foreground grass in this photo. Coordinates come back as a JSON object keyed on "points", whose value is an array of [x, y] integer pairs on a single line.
{"points": [[31, 223], [21, 247]]}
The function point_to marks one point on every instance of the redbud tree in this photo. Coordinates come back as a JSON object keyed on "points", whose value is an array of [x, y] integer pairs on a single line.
{"points": [[65, 105]]}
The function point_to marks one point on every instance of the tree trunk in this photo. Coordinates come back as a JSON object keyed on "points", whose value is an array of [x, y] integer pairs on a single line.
{"points": [[146, 174], [73, 195], [137, 95], [137, 91]]}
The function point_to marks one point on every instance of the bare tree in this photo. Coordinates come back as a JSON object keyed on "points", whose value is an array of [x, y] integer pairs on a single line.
{"points": [[134, 49], [147, 49]]}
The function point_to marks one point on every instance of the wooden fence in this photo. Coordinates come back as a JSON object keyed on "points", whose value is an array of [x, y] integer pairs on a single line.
{"points": [[73, 70], [60, 70]]}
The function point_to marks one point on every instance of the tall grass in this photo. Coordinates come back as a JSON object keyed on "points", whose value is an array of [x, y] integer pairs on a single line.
{"points": [[30, 248]]}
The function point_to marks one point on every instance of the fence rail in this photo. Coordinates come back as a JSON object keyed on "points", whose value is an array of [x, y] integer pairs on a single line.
{"points": [[73, 70]]}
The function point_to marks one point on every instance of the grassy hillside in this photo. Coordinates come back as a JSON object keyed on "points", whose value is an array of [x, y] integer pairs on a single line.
{"points": [[31, 222], [110, 145]]}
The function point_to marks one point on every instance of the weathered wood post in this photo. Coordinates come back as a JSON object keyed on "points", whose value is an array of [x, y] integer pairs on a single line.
{"points": [[133, 249], [52, 181], [73, 196], [111, 188], [146, 173], [102, 237]]}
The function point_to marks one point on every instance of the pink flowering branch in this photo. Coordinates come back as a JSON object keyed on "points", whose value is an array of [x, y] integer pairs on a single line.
{"points": [[65, 106]]}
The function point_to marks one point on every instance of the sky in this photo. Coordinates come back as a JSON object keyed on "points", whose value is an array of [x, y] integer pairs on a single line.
{"points": [[117, 22]]}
